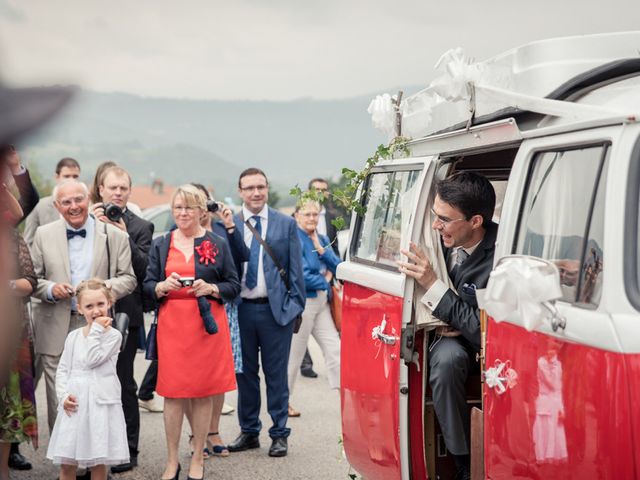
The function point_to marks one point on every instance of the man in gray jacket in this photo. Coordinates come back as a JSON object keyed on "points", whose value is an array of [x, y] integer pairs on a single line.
{"points": [[65, 252], [463, 209]]}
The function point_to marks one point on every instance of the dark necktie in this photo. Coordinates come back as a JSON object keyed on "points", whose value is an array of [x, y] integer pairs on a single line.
{"points": [[254, 258], [461, 256], [73, 233]]}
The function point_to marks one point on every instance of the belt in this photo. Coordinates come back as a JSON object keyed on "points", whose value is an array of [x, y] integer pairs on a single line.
{"points": [[256, 300]]}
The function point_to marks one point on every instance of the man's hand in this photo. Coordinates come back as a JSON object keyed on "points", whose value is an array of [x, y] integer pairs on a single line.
{"points": [[103, 321], [418, 267], [70, 405], [62, 291], [97, 209], [201, 288]]}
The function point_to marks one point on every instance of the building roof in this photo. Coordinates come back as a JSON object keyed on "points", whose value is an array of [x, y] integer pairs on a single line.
{"points": [[146, 196]]}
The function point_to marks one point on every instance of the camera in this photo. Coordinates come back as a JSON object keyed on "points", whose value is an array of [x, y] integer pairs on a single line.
{"points": [[113, 212], [186, 281], [213, 206]]}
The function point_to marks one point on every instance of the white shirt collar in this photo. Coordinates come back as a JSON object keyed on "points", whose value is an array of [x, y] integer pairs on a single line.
{"points": [[87, 224], [263, 214], [470, 250]]}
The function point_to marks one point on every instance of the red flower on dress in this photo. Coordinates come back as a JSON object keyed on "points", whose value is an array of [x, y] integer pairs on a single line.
{"points": [[208, 252]]}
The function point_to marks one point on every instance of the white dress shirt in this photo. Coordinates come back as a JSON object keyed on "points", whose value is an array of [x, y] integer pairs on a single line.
{"points": [[260, 290], [80, 256], [433, 296], [322, 222]]}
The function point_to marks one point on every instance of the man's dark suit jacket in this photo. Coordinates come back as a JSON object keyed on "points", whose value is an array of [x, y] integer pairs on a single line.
{"points": [[332, 232], [140, 235], [461, 311]]}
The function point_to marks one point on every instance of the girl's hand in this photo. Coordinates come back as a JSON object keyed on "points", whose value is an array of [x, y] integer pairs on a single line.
{"points": [[70, 405], [104, 321], [201, 288]]}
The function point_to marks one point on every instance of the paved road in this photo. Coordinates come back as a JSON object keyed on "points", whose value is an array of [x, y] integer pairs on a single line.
{"points": [[314, 449]]}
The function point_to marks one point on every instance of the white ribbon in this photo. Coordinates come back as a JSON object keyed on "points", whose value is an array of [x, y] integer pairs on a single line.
{"points": [[518, 287], [383, 114], [459, 73], [494, 379]]}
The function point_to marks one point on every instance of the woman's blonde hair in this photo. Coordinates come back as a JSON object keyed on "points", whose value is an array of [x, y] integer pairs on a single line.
{"points": [[308, 203], [193, 196], [94, 284]]}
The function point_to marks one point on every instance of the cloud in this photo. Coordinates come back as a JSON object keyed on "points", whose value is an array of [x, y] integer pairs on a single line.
{"points": [[279, 49]]}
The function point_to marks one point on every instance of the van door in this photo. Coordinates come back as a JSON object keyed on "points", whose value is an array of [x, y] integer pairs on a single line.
{"points": [[376, 306], [562, 399]]}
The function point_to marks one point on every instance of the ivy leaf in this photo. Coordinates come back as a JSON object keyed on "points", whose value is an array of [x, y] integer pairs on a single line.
{"points": [[339, 223], [295, 191]]}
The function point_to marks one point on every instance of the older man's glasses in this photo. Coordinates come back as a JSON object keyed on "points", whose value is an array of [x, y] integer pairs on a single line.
{"points": [[67, 202], [444, 221]]}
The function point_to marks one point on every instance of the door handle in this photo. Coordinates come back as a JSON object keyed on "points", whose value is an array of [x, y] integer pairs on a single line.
{"points": [[500, 377], [378, 333]]}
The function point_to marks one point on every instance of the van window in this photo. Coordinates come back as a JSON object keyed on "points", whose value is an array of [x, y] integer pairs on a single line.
{"points": [[383, 228], [562, 218]]}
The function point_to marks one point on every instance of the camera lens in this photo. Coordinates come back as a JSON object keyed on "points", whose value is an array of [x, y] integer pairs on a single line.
{"points": [[113, 212], [213, 206]]}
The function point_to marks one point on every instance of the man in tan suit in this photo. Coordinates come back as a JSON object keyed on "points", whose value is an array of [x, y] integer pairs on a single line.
{"points": [[65, 252]]}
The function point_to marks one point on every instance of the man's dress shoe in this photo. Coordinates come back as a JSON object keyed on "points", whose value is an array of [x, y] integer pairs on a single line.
{"points": [[278, 447], [18, 462], [308, 372], [245, 441], [125, 467]]}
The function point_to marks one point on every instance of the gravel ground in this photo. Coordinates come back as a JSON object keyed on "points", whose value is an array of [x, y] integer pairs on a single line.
{"points": [[314, 449]]}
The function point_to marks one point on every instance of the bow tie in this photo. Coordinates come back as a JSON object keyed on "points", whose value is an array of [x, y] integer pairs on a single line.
{"points": [[73, 233]]}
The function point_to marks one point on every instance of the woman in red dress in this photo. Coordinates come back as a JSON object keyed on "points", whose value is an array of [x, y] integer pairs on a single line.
{"points": [[186, 266]]}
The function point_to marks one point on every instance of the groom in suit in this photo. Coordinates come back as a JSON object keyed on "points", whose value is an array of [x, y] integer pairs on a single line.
{"points": [[463, 208], [267, 312], [64, 253]]}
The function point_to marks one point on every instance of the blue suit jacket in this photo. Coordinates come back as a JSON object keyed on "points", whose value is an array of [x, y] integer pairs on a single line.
{"points": [[282, 237]]}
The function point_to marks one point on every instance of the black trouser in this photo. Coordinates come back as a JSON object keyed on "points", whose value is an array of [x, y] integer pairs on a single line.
{"points": [[129, 389], [307, 363], [148, 385]]}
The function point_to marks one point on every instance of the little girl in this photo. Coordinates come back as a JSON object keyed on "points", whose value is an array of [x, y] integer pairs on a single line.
{"points": [[90, 430]]}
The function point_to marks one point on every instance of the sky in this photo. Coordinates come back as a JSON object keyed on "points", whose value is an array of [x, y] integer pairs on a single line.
{"points": [[273, 49]]}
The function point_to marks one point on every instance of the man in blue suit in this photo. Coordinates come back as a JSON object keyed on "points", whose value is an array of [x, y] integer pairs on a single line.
{"points": [[268, 310]]}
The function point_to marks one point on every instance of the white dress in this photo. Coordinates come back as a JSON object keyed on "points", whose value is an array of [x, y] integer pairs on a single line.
{"points": [[96, 433]]}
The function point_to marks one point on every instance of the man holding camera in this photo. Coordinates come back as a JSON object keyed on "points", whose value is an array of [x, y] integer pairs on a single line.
{"points": [[114, 191], [66, 252]]}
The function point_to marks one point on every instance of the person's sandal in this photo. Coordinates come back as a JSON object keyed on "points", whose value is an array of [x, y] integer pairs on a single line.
{"points": [[218, 450], [293, 412], [205, 451]]}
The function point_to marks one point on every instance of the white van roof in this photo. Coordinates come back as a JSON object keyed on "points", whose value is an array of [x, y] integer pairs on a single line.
{"points": [[542, 77]]}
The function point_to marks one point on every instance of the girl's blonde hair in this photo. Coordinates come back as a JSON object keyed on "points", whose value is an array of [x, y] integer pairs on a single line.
{"points": [[193, 196], [94, 284]]}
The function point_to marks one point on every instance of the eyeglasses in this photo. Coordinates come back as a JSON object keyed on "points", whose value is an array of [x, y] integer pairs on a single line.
{"points": [[67, 202], [179, 208], [444, 221], [310, 215], [259, 188]]}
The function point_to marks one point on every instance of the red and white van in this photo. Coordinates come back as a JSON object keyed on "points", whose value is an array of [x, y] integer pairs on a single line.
{"points": [[553, 125]]}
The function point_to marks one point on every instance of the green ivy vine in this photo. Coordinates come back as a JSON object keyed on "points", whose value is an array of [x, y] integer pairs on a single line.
{"points": [[347, 197]]}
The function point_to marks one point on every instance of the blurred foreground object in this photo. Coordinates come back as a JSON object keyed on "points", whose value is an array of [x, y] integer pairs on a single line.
{"points": [[22, 110]]}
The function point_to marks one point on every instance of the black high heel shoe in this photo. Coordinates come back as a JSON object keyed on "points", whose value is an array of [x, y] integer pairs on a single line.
{"points": [[189, 477], [176, 476]]}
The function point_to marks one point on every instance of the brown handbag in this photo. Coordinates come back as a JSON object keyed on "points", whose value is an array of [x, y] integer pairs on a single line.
{"points": [[336, 306]]}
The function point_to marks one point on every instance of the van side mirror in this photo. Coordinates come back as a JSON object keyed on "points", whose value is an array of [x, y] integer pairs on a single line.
{"points": [[523, 290]]}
